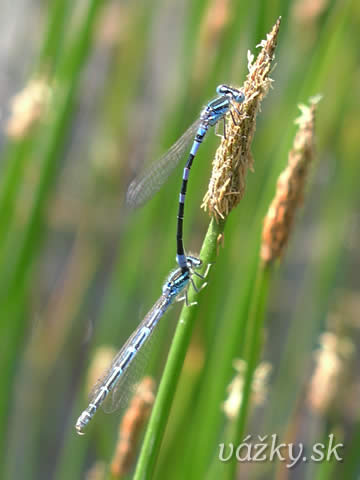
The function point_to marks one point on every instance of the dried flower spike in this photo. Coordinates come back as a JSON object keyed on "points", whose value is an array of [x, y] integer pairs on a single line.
{"points": [[28, 107], [331, 376], [290, 187], [233, 157], [132, 426], [259, 387]]}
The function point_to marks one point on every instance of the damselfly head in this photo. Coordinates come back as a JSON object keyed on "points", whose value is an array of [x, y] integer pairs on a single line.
{"points": [[239, 97], [234, 93], [193, 262]]}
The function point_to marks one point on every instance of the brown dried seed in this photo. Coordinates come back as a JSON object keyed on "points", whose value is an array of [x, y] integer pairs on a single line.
{"points": [[290, 187], [132, 426], [28, 107], [233, 157]]}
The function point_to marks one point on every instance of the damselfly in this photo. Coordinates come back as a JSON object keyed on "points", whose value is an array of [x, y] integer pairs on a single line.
{"points": [[111, 382], [143, 187]]}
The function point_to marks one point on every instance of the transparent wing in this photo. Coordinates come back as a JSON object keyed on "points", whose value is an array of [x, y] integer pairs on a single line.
{"points": [[142, 188], [127, 381], [126, 386]]}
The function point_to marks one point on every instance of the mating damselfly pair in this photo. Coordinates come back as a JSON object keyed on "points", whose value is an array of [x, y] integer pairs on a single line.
{"points": [[140, 190]]}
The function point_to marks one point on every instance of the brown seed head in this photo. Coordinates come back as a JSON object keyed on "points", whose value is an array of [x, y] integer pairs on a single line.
{"points": [[28, 107], [233, 157], [132, 426], [331, 376], [290, 187], [259, 387]]}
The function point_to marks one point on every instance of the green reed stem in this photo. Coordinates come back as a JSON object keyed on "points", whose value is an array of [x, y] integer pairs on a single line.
{"points": [[18, 152], [253, 345], [167, 388], [13, 322]]}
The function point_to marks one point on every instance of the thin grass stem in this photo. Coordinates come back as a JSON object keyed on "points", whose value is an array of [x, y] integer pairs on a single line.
{"points": [[167, 388]]}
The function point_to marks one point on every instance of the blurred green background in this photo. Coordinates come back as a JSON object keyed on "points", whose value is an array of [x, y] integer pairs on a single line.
{"points": [[105, 88]]}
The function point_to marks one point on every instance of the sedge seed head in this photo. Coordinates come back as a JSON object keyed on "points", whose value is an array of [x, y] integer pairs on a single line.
{"points": [[28, 107], [131, 427], [331, 375], [233, 157], [259, 388], [289, 194]]}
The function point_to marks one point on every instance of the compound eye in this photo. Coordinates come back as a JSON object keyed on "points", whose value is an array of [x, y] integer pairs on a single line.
{"points": [[239, 98], [222, 90], [194, 262]]}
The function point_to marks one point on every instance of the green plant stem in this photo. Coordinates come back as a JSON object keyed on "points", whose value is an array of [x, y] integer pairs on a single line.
{"points": [[68, 77], [217, 374], [253, 346], [167, 388], [18, 152], [12, 295], [54, 36]]}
